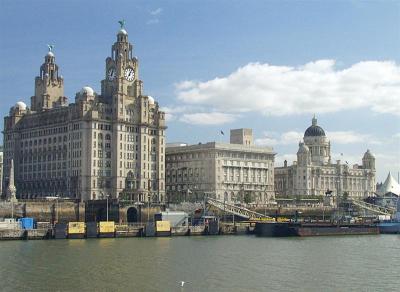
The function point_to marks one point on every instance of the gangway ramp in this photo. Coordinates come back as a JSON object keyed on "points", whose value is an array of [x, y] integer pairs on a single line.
{"points": [[374, 208], [236, 210]]}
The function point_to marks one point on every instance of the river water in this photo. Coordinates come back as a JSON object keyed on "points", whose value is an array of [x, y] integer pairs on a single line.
{"points": [[205, 263]]}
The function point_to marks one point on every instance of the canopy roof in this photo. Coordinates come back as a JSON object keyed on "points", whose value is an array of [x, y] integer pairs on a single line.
{"points": [[389, 186]]}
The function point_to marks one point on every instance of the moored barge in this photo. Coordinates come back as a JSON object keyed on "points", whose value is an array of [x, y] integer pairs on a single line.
{"points": [[282, 229]]}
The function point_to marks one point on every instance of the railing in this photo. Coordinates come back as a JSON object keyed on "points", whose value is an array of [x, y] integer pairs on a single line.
{"points": [[235, 210], [374, 208]]}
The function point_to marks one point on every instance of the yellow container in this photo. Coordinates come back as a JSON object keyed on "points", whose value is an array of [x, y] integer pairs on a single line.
{"points": [[163, 226], [106, 226], [76, 227]]}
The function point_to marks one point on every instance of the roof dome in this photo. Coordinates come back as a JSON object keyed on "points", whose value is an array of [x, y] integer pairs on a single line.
{"points": [[50, 54], [368, 154], [151, 99], [87, 90], [314, 130], [21, 105], [122, 31]]}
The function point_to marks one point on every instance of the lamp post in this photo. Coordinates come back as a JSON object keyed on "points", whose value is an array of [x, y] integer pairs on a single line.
{"points": [[57, 208], [107, 206], [148, 207], [338, 197], [266, 199], [225, 194]]}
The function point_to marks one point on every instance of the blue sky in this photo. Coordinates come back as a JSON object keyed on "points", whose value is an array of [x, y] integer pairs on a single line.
{"points": [[212, 65]]}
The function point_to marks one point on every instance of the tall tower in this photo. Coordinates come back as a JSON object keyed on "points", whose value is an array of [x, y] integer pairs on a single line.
{"points": [[303, 169], [11, 189], [138, 126], [242, 136], [49, 85], [368, 160], [122, 73]]}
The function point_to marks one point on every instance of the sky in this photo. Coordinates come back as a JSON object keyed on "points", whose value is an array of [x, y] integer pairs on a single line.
{"points": [[220, 65]]}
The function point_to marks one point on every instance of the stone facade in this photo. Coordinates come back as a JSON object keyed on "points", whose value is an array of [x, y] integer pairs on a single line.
{"points": [[107, 144], [223, 171], [314, 174]]}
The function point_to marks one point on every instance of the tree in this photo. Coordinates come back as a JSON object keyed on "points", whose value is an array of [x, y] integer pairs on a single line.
{"points": [[345, 196], [247, 198]]}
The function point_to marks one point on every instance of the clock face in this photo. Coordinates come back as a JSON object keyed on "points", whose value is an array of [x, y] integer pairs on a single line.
{"points": [[111, 74], [129, 74]]}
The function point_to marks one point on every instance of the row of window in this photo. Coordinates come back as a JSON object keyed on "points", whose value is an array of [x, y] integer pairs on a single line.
{"points": [[46, 132]]}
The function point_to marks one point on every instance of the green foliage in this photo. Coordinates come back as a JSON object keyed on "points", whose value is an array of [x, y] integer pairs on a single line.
{"points": [[247, 198]]}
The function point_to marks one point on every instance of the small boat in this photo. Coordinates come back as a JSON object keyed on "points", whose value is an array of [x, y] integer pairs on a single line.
{"points": [[391, 226]]}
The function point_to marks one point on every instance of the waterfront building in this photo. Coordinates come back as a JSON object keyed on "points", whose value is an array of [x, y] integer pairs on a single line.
{"points": [[235, 172], [314, 174], [387, 193], [103, 145]]}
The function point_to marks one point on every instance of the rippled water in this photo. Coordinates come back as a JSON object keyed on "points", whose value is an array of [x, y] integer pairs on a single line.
{"points": [[220, 263]]}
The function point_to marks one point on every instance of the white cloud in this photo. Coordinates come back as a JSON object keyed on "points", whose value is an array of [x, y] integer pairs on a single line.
{"points": [[153, 21], [287, 138], [294, 137], [291, 137], [351, 137], [185, 85], [316, 87], [350, 159], [155, 14], [266, 141], [156, 11], [280, 158], [214, 118], [176, 109]]}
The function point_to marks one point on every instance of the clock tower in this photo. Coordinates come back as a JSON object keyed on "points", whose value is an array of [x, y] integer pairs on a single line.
{"points": [[138, 126], [122, 71]]}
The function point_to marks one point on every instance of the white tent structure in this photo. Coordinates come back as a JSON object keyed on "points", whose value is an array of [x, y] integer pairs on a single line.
{"points": [[389, 186]]}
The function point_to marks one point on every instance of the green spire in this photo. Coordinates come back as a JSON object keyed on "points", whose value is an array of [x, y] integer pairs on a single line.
{"points": [[51, 47]]}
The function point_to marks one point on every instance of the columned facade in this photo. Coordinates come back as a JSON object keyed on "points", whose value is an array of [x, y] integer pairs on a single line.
{"points": [[313, 174], [235, 172]]}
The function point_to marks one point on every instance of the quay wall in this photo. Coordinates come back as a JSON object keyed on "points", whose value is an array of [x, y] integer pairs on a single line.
{"points": [[45, 211]]}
